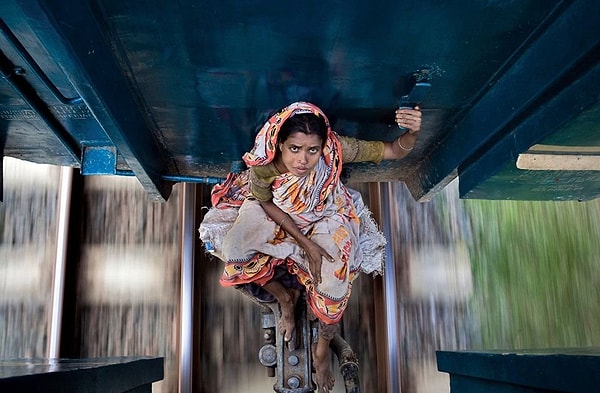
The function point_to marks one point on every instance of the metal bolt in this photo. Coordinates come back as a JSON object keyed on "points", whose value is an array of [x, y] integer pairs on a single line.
{"points": [[293, 360], [293, 382], [267, 355]]}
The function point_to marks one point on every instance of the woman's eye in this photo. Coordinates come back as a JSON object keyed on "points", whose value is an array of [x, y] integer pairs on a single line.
{"points": [[294, 149], [314, 150]]}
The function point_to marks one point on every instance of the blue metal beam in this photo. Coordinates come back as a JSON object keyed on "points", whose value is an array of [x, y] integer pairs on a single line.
{"points": [[578, 95], [14, 76], [559, 45], [16, 44], [82, 45]]}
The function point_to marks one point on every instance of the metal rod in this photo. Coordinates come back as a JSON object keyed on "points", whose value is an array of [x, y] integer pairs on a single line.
{"points": [[348, 363], [58, 280], [180, 178], [390, 294], [193, 179], [379, 298], [188, 232]]}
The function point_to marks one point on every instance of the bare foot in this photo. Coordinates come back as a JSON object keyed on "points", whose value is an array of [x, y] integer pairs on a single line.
{"points": [[287, 322], [322, 364]]}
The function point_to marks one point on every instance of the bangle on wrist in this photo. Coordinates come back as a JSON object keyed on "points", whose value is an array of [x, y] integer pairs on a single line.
{"points": [[400, 144]]}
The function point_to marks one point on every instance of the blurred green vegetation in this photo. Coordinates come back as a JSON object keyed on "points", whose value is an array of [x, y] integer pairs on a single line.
{"points": [[536, 272]]}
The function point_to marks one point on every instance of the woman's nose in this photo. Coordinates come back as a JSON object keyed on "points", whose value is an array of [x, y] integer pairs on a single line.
{"points": [[303, 158]]}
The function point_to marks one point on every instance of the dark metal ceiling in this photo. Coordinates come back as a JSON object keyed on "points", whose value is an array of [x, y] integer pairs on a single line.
{"points": [[174, 90]]}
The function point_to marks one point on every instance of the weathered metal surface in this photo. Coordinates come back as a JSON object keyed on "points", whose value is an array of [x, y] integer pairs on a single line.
{"points": [[75, 375], [562, 370], [179, 88], [500, 158]]}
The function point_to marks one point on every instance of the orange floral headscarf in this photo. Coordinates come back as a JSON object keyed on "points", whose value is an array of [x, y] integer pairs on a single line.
{"points": [[265, 149], [265, 143]]}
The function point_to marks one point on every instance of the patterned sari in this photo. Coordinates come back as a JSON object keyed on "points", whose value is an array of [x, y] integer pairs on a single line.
{"points": [[319, 204]]}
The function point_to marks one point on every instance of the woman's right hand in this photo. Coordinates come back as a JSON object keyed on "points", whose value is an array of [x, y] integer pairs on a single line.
{"points": [[315, 255], [409, 118]]}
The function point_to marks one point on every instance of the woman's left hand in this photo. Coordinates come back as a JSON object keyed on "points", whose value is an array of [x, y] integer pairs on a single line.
{"points": [[409, 118], [315, 255]]}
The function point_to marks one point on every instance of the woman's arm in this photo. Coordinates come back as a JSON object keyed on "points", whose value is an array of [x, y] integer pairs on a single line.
{"points": [[400, 147], [313, 251]]}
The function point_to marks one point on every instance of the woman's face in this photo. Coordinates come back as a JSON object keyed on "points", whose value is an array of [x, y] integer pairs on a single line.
{"points": [[300, 153]]}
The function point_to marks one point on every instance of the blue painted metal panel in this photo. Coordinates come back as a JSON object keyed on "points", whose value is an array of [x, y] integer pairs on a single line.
{"points": [[179, 88], [41, 116], [569, 370], [99, 160], [493, 174], [106, 88], [92, 375], [512, 183], [13, 75], [548, 64]]}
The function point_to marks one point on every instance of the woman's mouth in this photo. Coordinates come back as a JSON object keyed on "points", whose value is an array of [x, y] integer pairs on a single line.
{"points": [[302, 170]]}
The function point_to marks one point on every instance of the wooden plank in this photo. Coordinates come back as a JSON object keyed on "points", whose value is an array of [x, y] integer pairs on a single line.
{"points": [[562, 159]]}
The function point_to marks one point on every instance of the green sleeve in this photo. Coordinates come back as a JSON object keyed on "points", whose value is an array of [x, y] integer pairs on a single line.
{"points": [[261, 179], [357, 150]]}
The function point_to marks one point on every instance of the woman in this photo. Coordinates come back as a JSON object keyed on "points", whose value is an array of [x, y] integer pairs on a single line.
{"points": [[293, 214]]}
